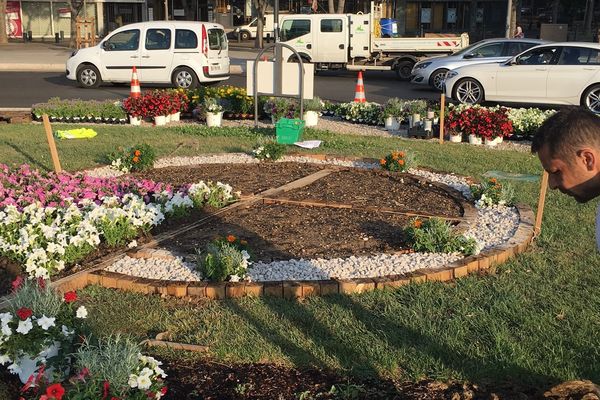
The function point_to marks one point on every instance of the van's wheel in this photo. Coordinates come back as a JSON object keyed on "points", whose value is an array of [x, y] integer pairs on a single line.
{"points": [[184, 78], [88, 76], [244, 35], [294, 59], [404, 69], [436, 80], [468, 91], [591, 99]]}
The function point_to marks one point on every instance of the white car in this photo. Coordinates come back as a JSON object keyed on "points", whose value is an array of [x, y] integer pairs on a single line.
{"points": [[558, 73], [183, 53], [432, 71]]}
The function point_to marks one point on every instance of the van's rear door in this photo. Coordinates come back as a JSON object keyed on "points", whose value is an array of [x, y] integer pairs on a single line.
{"points": [[217, 53]]}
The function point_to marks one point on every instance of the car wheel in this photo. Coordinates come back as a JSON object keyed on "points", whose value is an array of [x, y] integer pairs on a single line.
{"points": [[404, 69], [245, 35], [184, 78], [437, 79], [88, 76], [591, 99], [468, 91]]}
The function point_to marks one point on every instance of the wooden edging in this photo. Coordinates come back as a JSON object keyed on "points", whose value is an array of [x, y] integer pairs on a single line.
{"points": [[482, 263]]}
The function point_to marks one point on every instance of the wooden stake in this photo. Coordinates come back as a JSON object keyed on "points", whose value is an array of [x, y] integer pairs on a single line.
{"points": [[51, 144], [442, 107], [541, 201]]}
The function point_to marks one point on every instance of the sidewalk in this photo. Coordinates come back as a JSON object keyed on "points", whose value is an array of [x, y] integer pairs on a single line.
{"points": [[51, 57]]}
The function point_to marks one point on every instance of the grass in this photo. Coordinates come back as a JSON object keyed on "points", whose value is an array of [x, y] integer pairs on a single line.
{"points": [[535, 322]]}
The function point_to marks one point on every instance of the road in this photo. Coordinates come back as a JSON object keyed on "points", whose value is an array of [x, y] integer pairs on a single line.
{"points": [[22, 89]]}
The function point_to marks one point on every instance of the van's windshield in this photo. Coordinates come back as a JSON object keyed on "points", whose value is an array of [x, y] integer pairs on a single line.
{"points": [[217, 40]]}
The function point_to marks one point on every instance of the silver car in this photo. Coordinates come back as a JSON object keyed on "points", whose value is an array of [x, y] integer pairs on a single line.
{"points": [[432, 71]]}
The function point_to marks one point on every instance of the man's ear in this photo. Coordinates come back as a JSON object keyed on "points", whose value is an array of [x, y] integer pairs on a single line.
{"points": [[590, 159]]}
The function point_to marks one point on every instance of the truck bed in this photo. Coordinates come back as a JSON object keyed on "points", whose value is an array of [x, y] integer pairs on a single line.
{"points": [[419, 45]]}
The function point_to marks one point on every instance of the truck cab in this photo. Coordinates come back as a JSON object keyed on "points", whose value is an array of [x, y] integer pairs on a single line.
{"points": [[248, 31]]}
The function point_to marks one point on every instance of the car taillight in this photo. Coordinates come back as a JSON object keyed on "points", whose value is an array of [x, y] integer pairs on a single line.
{"points": [[204, 41], [205, 70]]}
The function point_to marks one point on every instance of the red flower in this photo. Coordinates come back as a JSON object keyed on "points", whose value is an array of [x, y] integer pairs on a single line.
{"points": [[41, 283], [23, 313], [55, 391], [16, 284], [70, 296], [163, 391], [106, 387]]}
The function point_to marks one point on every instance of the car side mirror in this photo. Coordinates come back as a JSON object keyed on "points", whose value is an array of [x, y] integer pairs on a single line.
{"points": [[105, 46], [469, 55]]}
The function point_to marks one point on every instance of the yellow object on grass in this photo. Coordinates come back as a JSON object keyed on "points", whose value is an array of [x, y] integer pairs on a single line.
{"points": [[81, 133]]}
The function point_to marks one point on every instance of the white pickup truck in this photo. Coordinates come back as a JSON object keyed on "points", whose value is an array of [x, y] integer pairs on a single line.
{"points": [[354, 42]]}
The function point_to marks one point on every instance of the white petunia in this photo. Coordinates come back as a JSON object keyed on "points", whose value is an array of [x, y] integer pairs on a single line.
{"points": [[66, 332], [45, 323], [132, 381], [81, 312], [144, 382], [132, 244], [234, 278], [5, 318], [14, 368], [6, 331], [4, 359], [25, 326]]}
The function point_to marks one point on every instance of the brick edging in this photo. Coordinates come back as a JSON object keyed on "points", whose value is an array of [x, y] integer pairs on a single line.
{"points": [[483, 262]]}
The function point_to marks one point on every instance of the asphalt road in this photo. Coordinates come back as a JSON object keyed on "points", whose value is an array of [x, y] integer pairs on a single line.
{"points": [[22, 89]]}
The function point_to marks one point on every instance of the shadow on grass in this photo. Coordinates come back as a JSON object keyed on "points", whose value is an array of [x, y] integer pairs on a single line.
{"points": [[30, 159]]}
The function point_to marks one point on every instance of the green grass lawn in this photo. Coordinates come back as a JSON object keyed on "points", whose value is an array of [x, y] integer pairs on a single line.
{"points": [[535, 322]]}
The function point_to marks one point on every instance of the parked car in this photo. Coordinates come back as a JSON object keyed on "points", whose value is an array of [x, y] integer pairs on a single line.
{"points": [[556, 73], [432, 71], [183, 53]]}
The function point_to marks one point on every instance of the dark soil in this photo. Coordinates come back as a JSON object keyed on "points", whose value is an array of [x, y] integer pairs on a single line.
{"points": [[382, 189], [281, 232], [246, 178]]}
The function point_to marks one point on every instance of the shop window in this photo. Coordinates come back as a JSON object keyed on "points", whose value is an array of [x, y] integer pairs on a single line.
{"points": [[185, 39], [158, 39], [331, 25]]}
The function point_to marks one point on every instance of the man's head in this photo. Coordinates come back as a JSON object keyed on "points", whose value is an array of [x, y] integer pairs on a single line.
{"points": [[568, 145]]}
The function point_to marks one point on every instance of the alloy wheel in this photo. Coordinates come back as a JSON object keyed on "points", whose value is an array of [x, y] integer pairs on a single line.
{"points": [[469, 92], [592, 100]]}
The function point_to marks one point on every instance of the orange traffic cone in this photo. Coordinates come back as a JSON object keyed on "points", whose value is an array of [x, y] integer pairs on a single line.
{"points": [[135, 84], [359, 94]]}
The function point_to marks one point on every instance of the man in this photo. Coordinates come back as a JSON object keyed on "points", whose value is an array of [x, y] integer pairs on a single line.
{"points": [[568, 145]]}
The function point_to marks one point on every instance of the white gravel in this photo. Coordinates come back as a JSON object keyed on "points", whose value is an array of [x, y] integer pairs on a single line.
{"points": [[494, 225]]}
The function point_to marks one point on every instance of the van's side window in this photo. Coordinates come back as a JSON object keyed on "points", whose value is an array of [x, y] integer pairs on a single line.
{"points": [[185, 39], [158, 39], [126, 40], [293, 28], [217, 39], [331, 25]]}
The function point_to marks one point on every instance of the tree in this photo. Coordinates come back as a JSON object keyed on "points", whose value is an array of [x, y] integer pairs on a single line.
{"points": [[340, 6], [589, 14], [76, 6], [3, 35], [261, 8]]}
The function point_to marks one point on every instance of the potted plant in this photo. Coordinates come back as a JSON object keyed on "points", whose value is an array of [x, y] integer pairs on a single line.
{"points": [[393, 113], [134, 107], [280, 107], [213, 111], [312, 109], [415, 109]]}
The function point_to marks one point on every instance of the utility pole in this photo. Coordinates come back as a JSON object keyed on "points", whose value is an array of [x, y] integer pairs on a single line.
{"points": [[508, 18], [166, 10]]}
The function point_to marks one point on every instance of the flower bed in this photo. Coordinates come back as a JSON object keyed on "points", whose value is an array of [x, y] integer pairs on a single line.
{"points": [[80, 111], [50, 221]]}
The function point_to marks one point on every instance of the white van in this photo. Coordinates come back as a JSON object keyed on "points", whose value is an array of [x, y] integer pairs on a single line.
{"points": [[248, 31], [183, 53]]}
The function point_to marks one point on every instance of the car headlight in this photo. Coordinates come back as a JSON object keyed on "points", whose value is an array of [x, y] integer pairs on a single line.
{"points": [[422, 65], [73, 53], [451, 74]]}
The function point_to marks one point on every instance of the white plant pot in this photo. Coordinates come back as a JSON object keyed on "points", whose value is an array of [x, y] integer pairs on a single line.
{"points": [[428, 125], [29, 365], [175, 117], [499, 139], [392, 124], [430, 114], [135, 120], [311, 118], [214, 119], [168, 118], [416, 119], [160, 120], [490, 142], [455, 138], [476, 140]]}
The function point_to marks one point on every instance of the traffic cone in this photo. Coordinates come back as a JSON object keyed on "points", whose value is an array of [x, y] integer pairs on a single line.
{"points": [[359, 94], [135, 84]]}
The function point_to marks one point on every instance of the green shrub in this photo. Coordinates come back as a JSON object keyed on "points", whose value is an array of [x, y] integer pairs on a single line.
{"points": [[136, 158], [491, 192], [271, 151], [435, 235], [224, 259], [397, 161]]}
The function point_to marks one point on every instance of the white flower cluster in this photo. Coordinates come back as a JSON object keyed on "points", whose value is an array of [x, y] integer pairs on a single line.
{"points": [[118, 165], [258, 153], [244, 265], [147, 373], [526, 120], [215, 194]]}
